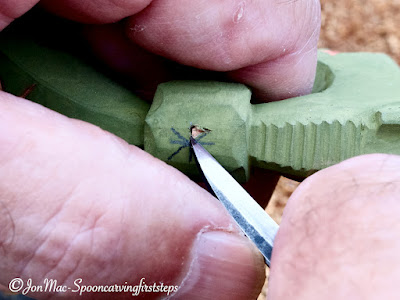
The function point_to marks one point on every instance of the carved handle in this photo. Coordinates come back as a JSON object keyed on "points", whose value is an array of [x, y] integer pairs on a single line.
{"points": [[355, 109]]}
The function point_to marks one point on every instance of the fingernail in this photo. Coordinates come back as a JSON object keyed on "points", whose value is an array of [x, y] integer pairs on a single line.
{"points": [[224, 266]]}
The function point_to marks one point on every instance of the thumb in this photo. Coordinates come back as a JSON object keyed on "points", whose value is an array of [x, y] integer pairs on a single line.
{"points": [[79, 203], [12, 9]]}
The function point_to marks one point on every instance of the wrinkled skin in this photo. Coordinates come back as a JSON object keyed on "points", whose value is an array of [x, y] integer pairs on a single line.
{"points": [[339, 237], [269, 45], [80, 203], [77, 202]]}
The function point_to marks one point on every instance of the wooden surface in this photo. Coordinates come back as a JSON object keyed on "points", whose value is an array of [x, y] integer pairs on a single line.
{"points": [[348, 26]]}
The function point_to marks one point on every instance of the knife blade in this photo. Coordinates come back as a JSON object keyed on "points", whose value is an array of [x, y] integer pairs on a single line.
{"points": [[248, 214]]}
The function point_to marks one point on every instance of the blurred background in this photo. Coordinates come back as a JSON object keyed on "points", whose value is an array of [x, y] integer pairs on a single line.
{"points": [[348, 26], [355, 25]]}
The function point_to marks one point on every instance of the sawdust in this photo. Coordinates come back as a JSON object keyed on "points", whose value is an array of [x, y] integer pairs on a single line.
{"points": [[348, 26], [357, 25]]}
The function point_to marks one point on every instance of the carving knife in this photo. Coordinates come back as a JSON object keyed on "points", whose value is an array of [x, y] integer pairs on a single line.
{"points": [[248, 214]]}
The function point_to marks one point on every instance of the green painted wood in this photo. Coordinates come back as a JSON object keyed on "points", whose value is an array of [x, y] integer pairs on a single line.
{"points": [[355, 109], [223, 108], [68, 85]]}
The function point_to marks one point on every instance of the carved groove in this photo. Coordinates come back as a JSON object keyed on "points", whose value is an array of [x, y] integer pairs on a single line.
{"points": [[305, 146]]}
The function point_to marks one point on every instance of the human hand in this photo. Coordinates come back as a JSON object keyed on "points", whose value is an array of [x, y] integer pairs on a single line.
{"points": [[106, 212], [268, 45], [339, 236]]}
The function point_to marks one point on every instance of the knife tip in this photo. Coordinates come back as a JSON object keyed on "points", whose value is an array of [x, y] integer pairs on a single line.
{"points": [[192, 141]]}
